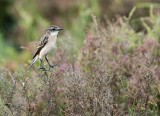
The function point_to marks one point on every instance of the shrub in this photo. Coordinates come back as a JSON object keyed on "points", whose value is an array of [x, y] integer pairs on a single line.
{"points": [[115, 73]]}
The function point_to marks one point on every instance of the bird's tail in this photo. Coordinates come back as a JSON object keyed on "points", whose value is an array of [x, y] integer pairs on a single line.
{"points": [[33, 61]]}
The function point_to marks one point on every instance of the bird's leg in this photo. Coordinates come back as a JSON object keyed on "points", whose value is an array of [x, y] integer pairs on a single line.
{"points": [[52, 66], [42, 65]]}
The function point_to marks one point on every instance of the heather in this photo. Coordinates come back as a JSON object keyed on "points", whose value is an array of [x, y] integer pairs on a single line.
{"points": [[105, 67]]}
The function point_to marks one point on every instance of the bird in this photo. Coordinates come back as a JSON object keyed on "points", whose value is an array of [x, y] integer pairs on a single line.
{"points": [[46, 45]]}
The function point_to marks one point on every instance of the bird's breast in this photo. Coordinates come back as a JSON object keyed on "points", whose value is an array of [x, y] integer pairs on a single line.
{"points": [[48, 47], [51, 42]]}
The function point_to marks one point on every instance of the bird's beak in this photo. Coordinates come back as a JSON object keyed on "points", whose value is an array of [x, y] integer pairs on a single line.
{"points": [[60, 29]]}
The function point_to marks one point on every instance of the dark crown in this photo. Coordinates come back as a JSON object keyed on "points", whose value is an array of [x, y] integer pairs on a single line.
{"points": [[54, 28]]}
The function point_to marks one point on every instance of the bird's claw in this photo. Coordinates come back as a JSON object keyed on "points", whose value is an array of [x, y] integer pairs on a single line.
{"points": [[42, 68], [52, 66]]}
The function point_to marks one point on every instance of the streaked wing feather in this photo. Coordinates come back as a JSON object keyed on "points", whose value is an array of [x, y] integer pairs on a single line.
{"points": [[42, 43]]}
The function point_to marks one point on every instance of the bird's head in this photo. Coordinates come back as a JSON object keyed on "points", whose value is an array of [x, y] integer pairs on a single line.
{"points": [[54, 30]]}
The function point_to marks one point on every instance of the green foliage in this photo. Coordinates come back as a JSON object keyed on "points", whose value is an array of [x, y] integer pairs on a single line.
{"points": [[6, 50], [29, 19], [83, 20], [154, 19], [6, 18]]}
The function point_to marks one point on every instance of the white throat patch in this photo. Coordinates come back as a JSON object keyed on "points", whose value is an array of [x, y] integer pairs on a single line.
{"points": [[55, 33]]}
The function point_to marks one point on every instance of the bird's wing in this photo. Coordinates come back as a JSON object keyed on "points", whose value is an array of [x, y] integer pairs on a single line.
{"points": [[43, 42]]}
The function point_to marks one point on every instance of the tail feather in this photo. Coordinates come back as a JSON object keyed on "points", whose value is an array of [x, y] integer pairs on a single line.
{"points": [[33, 61]]}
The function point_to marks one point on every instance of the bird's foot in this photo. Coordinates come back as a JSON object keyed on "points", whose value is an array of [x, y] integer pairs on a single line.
{"points": [[52, 66], [42, 68]]}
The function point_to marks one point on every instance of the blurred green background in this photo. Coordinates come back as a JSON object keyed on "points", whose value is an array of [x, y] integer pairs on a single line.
{"points": [[24, 21]]}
